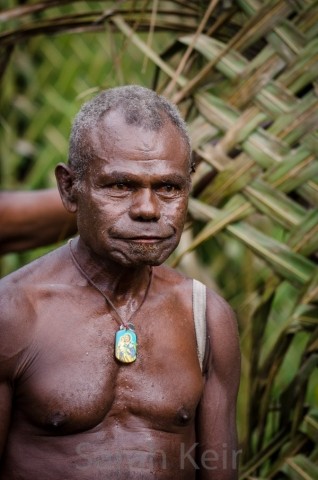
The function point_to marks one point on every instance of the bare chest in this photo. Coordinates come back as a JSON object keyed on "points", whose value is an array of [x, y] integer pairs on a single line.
{"points": [[68, 379]]}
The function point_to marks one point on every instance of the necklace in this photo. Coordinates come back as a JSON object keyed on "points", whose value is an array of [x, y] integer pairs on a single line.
{"points": [[125, 337]]}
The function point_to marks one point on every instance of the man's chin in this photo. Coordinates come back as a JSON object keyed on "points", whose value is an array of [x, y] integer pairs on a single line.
{"points": [[150, 254], [139, 255]]}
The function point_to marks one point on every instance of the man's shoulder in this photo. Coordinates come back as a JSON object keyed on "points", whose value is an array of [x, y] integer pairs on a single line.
{"points": [[172, 279], [18, 289], [19, 293], [36, 271], [180, 286], [218, 304], [175, 278]]}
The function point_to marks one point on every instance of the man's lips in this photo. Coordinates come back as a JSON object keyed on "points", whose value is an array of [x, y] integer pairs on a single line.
{"points": [[145, 238]]}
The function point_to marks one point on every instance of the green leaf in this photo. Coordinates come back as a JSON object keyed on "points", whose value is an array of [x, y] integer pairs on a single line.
{"points": [[300, 468]]}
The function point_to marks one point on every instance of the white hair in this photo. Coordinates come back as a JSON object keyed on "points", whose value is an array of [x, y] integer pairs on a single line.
{"points": [[140, 106]]}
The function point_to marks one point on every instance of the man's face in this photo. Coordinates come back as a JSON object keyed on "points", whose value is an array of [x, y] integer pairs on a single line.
{"points": [[133, 199]]}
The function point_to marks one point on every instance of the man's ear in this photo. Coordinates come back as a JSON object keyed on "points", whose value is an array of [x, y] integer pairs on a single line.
{"points": [[66, 185]]}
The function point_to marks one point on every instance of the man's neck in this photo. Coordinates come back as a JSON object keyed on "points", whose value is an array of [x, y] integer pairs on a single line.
{"points": [[117, 281]]}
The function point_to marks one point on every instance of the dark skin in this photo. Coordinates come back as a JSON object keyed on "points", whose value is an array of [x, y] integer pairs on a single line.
{"points": [[33, 219], [76, 412]]}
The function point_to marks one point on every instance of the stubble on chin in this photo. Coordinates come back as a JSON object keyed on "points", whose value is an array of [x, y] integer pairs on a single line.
{"points": [[149, 254]]}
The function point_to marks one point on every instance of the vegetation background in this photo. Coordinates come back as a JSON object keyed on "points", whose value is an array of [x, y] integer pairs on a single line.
{"points": [[244, 74]]}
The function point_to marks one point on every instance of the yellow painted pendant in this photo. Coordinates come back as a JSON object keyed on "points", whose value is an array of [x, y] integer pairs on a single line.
{"points": [[126, 345]]}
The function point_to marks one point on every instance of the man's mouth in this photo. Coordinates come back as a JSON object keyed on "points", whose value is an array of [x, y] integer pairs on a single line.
{"points": [[146, 239]]}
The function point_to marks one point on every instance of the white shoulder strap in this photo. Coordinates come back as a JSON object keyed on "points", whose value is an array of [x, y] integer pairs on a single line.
{"points": [[199, 315]]}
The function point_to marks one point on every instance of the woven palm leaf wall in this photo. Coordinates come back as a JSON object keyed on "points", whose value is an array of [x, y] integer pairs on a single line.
{"points": [[244, 74], [257, 184]]}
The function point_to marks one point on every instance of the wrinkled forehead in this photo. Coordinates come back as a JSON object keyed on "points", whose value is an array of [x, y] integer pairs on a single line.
{"points": [[113, 134], [114, 124]]}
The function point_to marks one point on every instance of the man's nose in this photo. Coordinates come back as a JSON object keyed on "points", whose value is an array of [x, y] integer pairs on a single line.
{"points": [[145, 206]]}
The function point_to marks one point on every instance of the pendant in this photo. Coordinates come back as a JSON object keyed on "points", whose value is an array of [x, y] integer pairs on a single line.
{"points": [[126, 344]]}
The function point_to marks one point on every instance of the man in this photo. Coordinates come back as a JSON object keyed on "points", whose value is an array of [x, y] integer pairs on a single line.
{"points": [[71, 406], [33, 219]]}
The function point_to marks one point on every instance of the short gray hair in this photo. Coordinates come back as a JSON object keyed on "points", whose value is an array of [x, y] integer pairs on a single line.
{"points": [[140, 106]]}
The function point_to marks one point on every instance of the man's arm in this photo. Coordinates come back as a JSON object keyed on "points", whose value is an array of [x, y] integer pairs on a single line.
{"points": [[218, 454], [5, 413], [15, 335], [7, 364], [33, 219]]}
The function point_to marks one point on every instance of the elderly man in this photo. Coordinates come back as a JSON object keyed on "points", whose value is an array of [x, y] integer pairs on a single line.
{"points": [[112, 365]]}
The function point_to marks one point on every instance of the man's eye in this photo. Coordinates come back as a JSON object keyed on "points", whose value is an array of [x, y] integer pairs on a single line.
{"points": [[122, 187], [117, 188], [168, 189]]}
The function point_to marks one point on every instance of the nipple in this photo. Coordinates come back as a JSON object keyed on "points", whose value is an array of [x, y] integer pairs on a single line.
{"points": [[183, 416], [57, 419]]}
